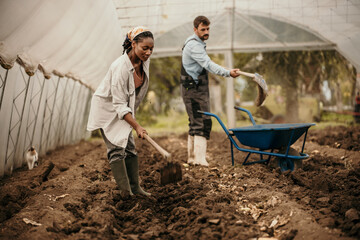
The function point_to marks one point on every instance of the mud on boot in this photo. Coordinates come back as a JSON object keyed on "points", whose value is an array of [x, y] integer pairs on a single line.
{"points": [[132, 167], [118, 169]]}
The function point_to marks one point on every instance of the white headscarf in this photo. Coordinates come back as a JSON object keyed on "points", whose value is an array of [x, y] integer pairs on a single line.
{"points": [[136, 31]]}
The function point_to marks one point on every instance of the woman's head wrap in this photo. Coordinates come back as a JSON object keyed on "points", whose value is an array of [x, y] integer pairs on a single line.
{"points": [[136, 31]]}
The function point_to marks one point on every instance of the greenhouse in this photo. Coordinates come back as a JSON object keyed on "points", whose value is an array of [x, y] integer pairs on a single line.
{"points": [[300, 58]]}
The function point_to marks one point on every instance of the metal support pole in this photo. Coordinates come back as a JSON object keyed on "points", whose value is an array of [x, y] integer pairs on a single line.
{"points": [[3, 87], [68, 113], [20, 121], [28, 116], [37, 112], [52, 113], [60, 115], [230, 101], [35, 117], [76, 108], [230, 98], [42, 126]]}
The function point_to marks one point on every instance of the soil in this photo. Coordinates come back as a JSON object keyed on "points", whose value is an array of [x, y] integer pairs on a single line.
{"points": [[79, 200]]}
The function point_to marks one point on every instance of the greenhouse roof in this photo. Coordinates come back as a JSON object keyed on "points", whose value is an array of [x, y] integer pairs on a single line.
{"points": [[80, 38]]}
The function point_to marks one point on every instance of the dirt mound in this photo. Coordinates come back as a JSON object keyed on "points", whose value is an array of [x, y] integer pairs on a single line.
{"points": [[80, 201], [338, 137]]}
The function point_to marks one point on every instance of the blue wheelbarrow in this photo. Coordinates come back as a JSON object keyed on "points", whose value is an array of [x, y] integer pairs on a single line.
{"points": [[268, 137]]}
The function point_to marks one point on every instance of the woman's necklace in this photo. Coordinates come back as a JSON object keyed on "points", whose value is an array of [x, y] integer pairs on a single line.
{"points": [[136, 62]]}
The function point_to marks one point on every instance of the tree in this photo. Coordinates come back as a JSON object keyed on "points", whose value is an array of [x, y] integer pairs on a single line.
{"points": [[297, 72], [283, 68], [341, 76], [165, 80], [247, 62], [302, 72]]}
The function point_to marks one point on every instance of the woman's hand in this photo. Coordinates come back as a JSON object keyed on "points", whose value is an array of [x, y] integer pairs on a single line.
{"points": [[140, 131]]}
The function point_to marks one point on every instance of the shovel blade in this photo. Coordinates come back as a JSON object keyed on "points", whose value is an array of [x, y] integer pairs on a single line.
{"points": [[260, 98], [171, 173], [262, 89]]}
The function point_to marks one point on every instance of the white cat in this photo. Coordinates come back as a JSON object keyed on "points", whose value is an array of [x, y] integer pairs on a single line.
{"points": [[31, 157]]}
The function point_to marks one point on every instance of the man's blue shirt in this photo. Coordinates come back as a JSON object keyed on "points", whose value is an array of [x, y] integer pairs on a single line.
{"points": [[195, 58]]}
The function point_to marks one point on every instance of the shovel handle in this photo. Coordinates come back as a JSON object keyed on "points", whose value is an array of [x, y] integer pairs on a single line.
{"points": [[162, 151], [246, 74]]}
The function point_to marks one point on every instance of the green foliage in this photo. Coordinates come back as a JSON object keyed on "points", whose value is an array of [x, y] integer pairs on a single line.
{"points": [[96, 133], [145, 116], [164, 84], [301, 73], [336, 117], [249, 93], [177, 122], [165, 79], [341, 76], [246, 62]]}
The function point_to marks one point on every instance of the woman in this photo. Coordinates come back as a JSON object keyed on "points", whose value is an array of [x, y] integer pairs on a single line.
{"points": [[113, 108]]}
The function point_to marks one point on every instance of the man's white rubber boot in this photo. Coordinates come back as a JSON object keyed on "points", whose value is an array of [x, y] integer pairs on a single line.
{"points": [[200, 151], [190, 149]]}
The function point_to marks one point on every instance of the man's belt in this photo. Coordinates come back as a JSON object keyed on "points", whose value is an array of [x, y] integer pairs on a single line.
{"points": [[188, 82]]}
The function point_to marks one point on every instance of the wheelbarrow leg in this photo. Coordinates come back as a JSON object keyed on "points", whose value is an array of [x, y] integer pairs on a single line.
{"points": [[303, 146], [262, 159], [286, 163], [247, 157], [269, 157], [232, 153]]}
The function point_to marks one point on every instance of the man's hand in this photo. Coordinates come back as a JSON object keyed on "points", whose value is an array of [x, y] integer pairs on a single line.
{"points": [[234, 72]]}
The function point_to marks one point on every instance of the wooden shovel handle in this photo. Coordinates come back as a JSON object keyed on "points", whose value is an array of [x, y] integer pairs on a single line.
{"points": [[162, 151], [246, 74]]}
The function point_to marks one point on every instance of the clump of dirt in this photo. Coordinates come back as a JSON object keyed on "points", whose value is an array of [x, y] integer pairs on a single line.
{"points": [[79, 199], [263, 112], [338, 137]]}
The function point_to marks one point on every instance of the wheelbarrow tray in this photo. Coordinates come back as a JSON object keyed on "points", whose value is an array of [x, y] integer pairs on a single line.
{"points": [[270, 136]]}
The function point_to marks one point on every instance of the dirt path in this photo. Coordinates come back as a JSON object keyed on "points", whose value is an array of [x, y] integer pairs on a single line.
{"points": [[80, 201]]}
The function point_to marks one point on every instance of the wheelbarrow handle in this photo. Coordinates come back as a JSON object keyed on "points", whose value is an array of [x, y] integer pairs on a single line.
{"points": [[248, 112], [217, 118]]}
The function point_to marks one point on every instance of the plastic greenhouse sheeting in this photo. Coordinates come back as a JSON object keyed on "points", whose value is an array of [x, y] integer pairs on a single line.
{"points": [[251, 25], [80, 38], [76, 38]]}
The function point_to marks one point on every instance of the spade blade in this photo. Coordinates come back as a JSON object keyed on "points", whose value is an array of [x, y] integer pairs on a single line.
{"points": [[171, 173]]}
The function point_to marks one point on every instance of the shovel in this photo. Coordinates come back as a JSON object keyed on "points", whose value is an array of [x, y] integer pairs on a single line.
{"points": [[171, 173], [261, 85]]}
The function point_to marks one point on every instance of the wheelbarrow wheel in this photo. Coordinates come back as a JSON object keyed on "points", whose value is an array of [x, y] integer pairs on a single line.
{"points": [[287, 163]]}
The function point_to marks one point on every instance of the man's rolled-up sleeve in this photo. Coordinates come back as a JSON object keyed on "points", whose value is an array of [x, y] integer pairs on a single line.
{"points": [[199, 54]]}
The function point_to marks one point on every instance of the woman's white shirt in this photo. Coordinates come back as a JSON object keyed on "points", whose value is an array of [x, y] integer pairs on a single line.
{"points": [[114, 98]]}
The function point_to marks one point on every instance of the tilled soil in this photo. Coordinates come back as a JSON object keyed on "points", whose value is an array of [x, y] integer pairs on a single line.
{"points": [[79, 200], [338, 137]]}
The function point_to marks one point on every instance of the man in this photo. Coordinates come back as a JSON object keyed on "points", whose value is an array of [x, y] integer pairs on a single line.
{"points": [[357, 108], [195, 89]]}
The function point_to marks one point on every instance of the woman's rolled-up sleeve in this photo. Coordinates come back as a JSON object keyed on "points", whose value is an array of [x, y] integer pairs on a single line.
{"points": [[120, 93]]}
